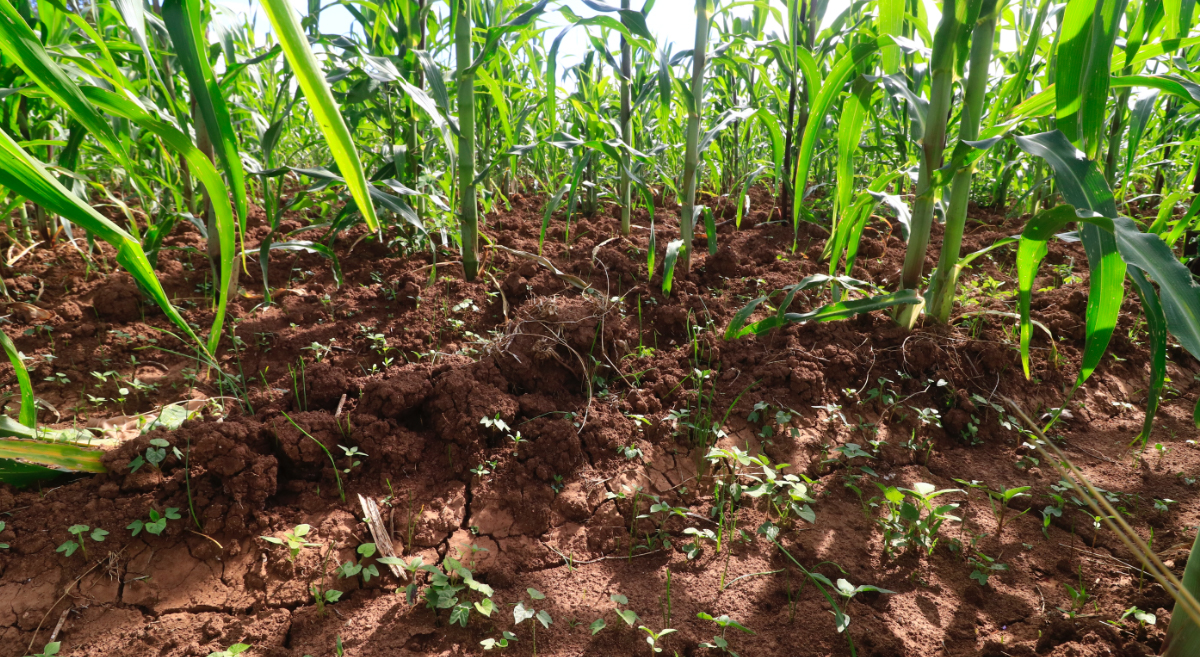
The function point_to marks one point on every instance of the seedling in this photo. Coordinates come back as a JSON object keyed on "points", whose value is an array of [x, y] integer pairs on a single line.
{"points": [[50, 650], [655, 637], [80, 532], [352, 453], [444, 589], [157, 524], [156, 453], [351, 569], [502, 642], [294, 540], [1143, 618], [3, 546], [231, 651], [724, 622], [522, 613], [903, 524], [985, 566]]}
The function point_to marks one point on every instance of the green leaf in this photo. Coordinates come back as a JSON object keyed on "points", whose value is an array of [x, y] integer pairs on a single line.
{"points": [[200, 167], [845, 68], [311, 78], [1086, 37], [1156, 322], [597, 625], [183, 22], [1083, 186], [674, 249], [20, 44]]}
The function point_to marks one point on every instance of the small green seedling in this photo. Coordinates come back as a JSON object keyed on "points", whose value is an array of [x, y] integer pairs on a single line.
{"points": [[723, 621], [522, 613], [3, 546], [157, 524], [655, 637], [628, 615], [352, 453], [50, 650], [984, 567], [1142, 617], [444, 588], [502, 642], [80, 532], [155, 454], [350, 569], [231, 651], [294, 540]]}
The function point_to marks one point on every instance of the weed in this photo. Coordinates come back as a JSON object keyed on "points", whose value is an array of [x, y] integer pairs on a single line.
{"points": [[984, 567], [157, 524], [81, 534], [446, 585], [653, 637], [523, 612], [231, 651], [906, 525], [294, 540], [719, 641]]}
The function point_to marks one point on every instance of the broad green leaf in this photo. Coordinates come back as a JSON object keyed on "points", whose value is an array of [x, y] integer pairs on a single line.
{"points": [[28, 414], [1030, 252], [182, 18], [28, 177], [1083, 186], [203, 169], [312, 80], [1156, 322], [1086, 38]]}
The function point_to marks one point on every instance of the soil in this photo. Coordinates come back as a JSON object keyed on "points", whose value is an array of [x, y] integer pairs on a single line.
{"points": [[404, 360]]}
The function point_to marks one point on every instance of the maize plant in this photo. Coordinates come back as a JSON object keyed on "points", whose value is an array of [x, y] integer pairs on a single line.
{"points": [[843, 129]]}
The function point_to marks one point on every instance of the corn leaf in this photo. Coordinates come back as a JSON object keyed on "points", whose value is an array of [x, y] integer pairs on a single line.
{"points": [[182, 18], [203, 169], [1083, 186], [1156, 322], [312, 80], [28, 415]]}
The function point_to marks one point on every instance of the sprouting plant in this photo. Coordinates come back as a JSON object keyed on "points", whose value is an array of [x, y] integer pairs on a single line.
{"points": [[155, 454], [719, 641], [984, 566], [653, 637], [294, 540], [906, 525], [445, 587], [502, 642], [353, 454], [1079, 595], [81, 534], [352, 569], [1143, 618], [523, 612], [3, 546], [693, 549], [231, 651], [1162, 506], [321, 351], [323, 595], [157, 524], [50, 650]]}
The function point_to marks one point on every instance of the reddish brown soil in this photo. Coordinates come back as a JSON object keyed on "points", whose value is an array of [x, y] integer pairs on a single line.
{"points": [[456, 358]]}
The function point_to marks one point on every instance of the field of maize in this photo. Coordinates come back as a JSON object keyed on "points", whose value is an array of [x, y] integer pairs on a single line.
{"points": [[868, 328]]}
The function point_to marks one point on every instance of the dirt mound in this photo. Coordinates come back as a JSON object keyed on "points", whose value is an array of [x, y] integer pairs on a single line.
{"points": [[546, 437]]}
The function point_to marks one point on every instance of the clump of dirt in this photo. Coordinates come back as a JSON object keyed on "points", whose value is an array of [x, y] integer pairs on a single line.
{"points": [[554, 438]]}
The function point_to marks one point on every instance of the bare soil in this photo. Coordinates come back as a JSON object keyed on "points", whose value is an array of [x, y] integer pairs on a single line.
{"points": [[596, 384]]}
